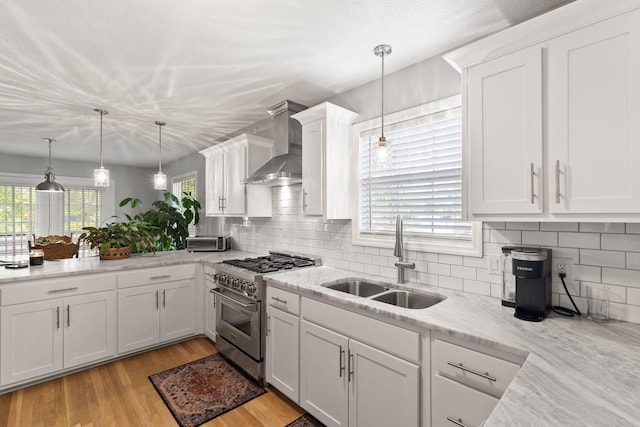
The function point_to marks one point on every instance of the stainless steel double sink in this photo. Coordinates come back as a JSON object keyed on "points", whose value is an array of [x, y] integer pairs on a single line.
{"points": [[384, 292]]}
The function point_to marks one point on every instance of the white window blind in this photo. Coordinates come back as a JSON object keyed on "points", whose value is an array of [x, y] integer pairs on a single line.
{"points": [[17, 219], [82, 207], [422, 182]]}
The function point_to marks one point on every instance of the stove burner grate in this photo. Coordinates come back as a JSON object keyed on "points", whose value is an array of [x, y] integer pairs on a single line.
{"points": [[269, 264]]}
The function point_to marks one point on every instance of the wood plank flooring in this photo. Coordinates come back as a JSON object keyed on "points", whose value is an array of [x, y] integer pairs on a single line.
{"points": [[120, 394]]}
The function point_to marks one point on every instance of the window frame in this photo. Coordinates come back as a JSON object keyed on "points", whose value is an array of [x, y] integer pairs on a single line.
{"points": [[191, 175], [472, 247]]}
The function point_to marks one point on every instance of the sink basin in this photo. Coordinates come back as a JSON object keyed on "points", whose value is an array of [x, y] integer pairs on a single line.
{"points": [[360, 288], [408, 299]]}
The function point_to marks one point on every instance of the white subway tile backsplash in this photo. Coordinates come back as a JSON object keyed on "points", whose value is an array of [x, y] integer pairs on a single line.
{"points": [[559, 226], [463, 272], [621, 242], [579, 240], [540, 238], [439, 269], [602, 258], [616, 293], [606, 254]]}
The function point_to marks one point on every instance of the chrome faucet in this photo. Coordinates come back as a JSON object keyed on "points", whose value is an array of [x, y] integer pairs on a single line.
{"points": [[399, 252]]}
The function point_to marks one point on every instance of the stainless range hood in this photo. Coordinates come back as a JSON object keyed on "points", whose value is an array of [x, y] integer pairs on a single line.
{"points": [[285, 168]]}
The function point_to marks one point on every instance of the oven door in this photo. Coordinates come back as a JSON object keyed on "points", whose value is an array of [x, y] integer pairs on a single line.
{"points": [[238, 321]]}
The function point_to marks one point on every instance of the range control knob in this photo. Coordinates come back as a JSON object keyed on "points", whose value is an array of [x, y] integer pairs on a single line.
{"points": [[251, 288], [243, 286], [236, 283], [219, 277]]}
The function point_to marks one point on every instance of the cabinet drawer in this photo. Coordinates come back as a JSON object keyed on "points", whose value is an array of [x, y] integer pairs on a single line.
{"points": [[148, 276], [44, 289], [472, 367], [283, 300], [454, 401], [392, 339]]}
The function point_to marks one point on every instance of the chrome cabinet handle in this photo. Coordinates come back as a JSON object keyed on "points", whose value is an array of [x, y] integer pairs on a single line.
{"points": [[457, 422], [219, 203], [341, 362], [58, 317], [281, 301], [252, 306], [68, 316], [350, 366], [157, 301], [472, 371], [557, 181], [533, 174], [304, 199], [164, 276], [56, 291], [164, 298], [268, 324]]}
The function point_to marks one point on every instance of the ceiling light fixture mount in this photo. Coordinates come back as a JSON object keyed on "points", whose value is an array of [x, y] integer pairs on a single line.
{"points": [[101, 175], [159, 178], [382, 148], [49, 184]]}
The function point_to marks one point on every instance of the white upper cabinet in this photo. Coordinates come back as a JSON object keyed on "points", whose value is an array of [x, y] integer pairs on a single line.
{"points": [[326, 155], [504, 134], [552, 116], [227, 164], [594, 118]]}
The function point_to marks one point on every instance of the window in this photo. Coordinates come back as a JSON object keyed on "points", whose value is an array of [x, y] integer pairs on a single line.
{"points": [[185, 184], [17, 219], [422, 181], [82, 207]]}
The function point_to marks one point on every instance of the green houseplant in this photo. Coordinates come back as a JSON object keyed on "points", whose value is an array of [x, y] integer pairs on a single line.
{"points": [[118, 239], [170, 217]]}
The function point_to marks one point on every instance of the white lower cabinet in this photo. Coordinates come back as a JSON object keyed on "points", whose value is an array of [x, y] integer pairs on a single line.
{"points": [[282, 370], [209, 299], [454, 404], [345, 382], [43, 337], [151, 314]]}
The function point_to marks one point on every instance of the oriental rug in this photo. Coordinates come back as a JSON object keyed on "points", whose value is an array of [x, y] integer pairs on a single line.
{"points": [[199, 391], [305, 420]]}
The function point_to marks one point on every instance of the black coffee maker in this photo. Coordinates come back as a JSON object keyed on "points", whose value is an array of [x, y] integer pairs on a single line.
{"points": [[532, 268]]}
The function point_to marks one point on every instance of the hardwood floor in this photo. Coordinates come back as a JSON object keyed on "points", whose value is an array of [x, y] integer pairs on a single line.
{"points": [[120, 394]]}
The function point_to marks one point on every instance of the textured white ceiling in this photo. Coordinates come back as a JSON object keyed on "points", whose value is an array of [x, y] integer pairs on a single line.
{"points": [[206, 67]]}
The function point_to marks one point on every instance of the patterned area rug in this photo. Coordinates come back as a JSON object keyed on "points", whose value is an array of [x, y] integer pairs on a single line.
{"points": [[305, 420], [201, 390]]}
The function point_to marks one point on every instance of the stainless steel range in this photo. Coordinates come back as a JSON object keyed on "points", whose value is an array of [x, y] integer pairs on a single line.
{"points": [[241, 309]]}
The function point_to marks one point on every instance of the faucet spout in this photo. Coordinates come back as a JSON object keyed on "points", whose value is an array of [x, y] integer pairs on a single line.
{"points": [[399, 252]]}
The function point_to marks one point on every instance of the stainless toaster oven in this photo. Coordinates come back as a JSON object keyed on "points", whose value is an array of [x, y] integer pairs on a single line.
{"points": [[208, 244]]}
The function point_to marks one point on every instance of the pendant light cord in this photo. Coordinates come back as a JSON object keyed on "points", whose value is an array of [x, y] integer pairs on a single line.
{"points": [[382, 89], [102, 114]]}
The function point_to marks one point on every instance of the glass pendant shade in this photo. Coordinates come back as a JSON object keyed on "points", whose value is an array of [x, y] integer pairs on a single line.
{"points": [[49, 184], [101, 175], [382, 149], [159, 178], [159, 181]]}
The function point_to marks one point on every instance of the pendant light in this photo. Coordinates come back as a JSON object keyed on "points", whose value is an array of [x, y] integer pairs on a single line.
{"points": [[49, 184], [382, 149], [101, 175], [160, 179]]}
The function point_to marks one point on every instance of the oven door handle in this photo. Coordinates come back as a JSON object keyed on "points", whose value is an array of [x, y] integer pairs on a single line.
{"points": [[249, 307]]}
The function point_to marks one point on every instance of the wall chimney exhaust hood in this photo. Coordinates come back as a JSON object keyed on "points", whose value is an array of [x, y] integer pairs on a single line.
{"points": [[285, 168]]}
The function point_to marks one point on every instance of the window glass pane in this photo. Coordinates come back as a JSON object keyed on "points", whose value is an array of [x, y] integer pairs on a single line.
{"points": [[17, 219], [82, 207], [185, 185], [422, 181]]}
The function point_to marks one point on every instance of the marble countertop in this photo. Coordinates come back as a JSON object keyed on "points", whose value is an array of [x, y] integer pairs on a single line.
{"points": [[576, 372], [89, 265]]}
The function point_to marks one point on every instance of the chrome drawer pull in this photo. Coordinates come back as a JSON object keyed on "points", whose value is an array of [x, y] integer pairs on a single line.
{"points": [[471, 371], [341, 362], [58, 317], [281, 301], [68, 315], [557, 181], [457, 422], [164, 276], [351, 366], [55, 291]]}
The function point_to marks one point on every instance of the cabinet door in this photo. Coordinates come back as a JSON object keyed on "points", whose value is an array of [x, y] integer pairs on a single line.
{"points": [[215, 183], [384, 390], [89, 328], [282, 358], [236, 170], [594, 118], [323, 374], [31, 338], [504, 135], [210, 313], [313, 168], [138, 318], [178, 313]]}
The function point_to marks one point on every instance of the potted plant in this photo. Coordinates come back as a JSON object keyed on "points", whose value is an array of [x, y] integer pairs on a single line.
{"points": [[171, 218], [116, 240]]}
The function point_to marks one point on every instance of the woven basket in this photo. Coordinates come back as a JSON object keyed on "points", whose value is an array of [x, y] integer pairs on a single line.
{"points": [[116, 253], [62, 248]]}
